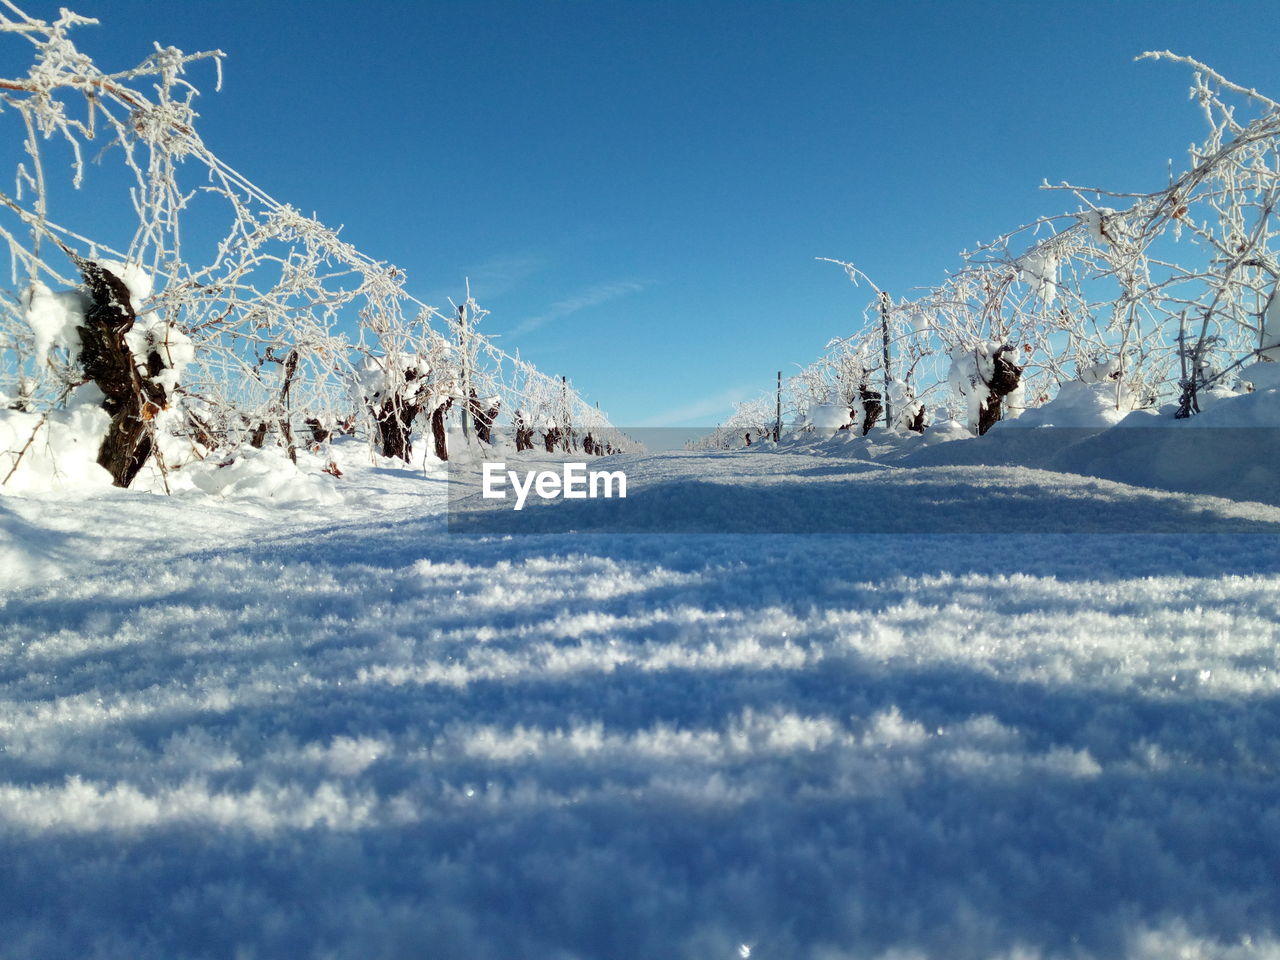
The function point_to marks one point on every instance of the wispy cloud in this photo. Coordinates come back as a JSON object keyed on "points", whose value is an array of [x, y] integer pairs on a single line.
{"points": [[491, 278], [495, 277], [591, 297], [702, 412]]}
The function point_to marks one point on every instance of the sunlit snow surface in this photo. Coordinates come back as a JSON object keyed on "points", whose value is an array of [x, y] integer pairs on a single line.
{"points": [[241, 731]]}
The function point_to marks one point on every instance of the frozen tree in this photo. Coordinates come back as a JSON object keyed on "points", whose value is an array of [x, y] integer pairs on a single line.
{"points": [[1171, 292], [256, 337]]}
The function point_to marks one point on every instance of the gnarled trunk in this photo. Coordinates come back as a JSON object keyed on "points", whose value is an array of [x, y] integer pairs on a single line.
{"points": [[1005, 377], [319, 432], [872, 407], [524, 433], [438, 433], [394, 418], [130, 398], [483, 417]]}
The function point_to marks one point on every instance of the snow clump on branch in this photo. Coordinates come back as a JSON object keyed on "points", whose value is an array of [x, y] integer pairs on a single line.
{"points": [[1098, 225], [1039, 269], [53, 317]]}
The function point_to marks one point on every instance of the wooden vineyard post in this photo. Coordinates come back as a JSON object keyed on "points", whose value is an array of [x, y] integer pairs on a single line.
{"points": [[888, 376]]}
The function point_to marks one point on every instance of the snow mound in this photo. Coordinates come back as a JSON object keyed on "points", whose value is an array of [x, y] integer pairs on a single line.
{"points": [[827, 418], [945, 429], [53, 452], [266, 474], [1078, 405], [1229, 450], [1220, 408], [1258, 409], [1261, 376], [1271, 327]]}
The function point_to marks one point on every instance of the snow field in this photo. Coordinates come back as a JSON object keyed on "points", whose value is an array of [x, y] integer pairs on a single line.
{"points": [[361, 736]]}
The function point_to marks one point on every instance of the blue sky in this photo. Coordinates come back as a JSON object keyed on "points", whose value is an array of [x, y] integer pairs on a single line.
{"points": [[638, 191]]}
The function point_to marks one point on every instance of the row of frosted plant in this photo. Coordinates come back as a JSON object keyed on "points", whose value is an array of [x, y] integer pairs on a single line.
{"points": [[212, 316], [1161, 300]]}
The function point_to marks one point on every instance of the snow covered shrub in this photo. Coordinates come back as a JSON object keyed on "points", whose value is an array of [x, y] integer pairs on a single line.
{"points": [[551, 435], [908, 409], [484, 412], [397, 391], [852, 373], [524, 432], [1174, 289], [988, 381], [1102, 286], [754, 421], [135, 362]]}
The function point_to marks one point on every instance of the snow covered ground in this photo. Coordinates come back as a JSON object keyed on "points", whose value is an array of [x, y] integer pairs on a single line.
{"points": [[231, 728]]}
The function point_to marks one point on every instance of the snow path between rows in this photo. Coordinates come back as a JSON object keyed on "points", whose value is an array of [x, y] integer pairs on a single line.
{"points": [[245, 732]]}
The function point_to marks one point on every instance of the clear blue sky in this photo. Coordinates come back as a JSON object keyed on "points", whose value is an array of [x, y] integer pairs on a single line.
{"points": [[638, 191]]}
